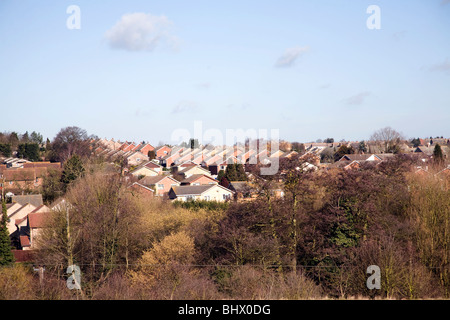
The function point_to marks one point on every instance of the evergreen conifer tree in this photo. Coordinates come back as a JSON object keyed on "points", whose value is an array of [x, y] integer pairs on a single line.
{"points": [[6, 255]]}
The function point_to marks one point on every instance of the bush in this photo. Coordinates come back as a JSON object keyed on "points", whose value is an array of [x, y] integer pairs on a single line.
{"points": [[16, 283]]}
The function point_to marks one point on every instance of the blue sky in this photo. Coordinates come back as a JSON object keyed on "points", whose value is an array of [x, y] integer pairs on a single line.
{"points": [[138, 70]]}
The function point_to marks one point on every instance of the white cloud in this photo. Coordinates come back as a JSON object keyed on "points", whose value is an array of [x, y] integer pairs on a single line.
{"points": [[441, 67], [141, 32], [357, 99], [290, 56]]}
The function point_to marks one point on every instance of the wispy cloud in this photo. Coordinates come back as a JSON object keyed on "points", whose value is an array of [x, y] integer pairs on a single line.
{"points": [[357, 99], [441, 67], [141, 32], [290, 56], [185, 107], [204, 85], [325, 86]]}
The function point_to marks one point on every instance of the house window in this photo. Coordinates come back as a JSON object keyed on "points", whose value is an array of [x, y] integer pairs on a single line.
{"points": [[138, 159], [190, 198], [207, 198], [160, 186], [226, 196]]}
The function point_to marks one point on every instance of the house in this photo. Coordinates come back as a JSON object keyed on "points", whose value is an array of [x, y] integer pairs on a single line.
{"points": [[136, 158], [429, 150], [26, 178], [244, 157], [148, 169], [30, 227], [348, 164], [14, 162], [184, 158], [141, 189], [199, 157], [212, 160], [191, 170], [169, 160], [109, 144], [353, 165], [16, 215], [381, 157], [199, 179], [312, 158], [124, 147], [154, 166], [22, 224], [145, 148], [242, 190], [358, 157], [162, 152], [306, 166], [36, 222], [213, 192], [144, 171], [216, 168], [161, 184]]}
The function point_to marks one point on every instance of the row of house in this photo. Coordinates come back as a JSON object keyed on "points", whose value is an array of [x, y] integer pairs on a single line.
{"points": [[26, 216], [25, 178], [213, 157], [192, 182]]}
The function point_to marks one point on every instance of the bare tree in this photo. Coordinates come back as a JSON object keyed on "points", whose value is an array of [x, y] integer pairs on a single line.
{"points": [[70, 141], [387, 139]]}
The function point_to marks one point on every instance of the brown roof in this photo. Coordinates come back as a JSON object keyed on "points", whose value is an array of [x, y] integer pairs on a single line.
{"points": [[37, 220], [188, 163], [195, 177], [27, 173], [151, 165], [55, 165], [148, 181], [24, 241]]}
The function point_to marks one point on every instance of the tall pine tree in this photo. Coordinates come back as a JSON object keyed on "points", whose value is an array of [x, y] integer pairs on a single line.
{"points": [[6, 255], [438, 156]]}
